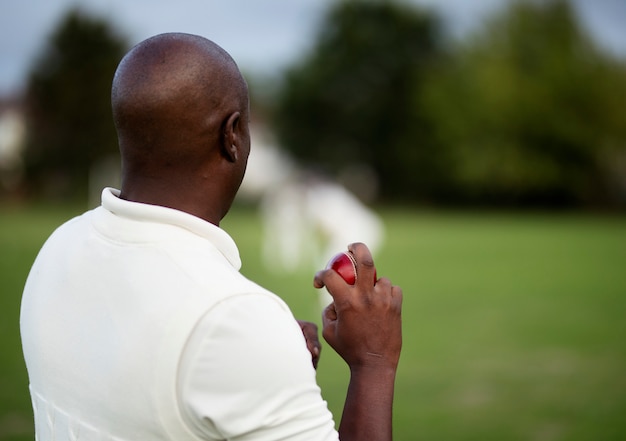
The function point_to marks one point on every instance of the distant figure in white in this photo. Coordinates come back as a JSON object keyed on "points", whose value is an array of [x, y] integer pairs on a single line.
{"points": [[307, 218]]}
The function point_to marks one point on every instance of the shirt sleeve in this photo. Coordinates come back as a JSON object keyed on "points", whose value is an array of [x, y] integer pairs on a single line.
{"points": [[246, 374]]}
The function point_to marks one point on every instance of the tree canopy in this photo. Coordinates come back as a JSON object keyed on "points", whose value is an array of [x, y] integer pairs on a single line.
{"points": [[68, 105], [352, 100], [529, 111], [524, 112]]}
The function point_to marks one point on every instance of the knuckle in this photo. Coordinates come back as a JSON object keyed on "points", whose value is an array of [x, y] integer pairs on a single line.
{"points": [[368, 262]]}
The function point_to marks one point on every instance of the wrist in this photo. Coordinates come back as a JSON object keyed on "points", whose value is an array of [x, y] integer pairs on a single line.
{"points": [[374, 361], [378, 371]]}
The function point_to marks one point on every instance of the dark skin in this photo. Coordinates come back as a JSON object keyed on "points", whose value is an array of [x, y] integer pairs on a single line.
{"points": [[180, 107], [363, 325], [181, 110]]}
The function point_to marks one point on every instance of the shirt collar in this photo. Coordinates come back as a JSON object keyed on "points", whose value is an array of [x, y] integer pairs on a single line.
{"points": [[158, 214]]}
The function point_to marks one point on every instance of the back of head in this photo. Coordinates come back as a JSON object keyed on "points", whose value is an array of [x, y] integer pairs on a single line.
{"points": [[169, 97]]}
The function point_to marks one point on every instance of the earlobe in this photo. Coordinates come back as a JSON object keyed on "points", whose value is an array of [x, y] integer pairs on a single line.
{"points": [[230, 142]]}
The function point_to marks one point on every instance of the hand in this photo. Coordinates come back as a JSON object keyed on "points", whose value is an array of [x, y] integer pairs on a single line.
{"points": [[312, 341], [363, 323]]}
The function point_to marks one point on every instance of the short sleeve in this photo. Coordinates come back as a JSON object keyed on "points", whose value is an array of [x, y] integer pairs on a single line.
{"points": [[246, 374]]}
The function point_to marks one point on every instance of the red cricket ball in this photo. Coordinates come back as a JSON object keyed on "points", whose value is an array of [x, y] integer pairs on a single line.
{"points": [[345, 265]]}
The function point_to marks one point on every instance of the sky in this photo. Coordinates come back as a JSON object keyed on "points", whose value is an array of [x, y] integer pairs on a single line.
{"points": [[263, 36]]}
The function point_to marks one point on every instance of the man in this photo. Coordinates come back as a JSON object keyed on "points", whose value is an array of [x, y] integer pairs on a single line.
{"points": [[136, 323]]}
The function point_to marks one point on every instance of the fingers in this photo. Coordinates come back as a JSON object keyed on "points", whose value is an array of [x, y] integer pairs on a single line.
{"points": [[396, 296], [328, 278], [329, 315], [329, 320], [365, 268], [364, 318], [309, 330], [318, 280]]}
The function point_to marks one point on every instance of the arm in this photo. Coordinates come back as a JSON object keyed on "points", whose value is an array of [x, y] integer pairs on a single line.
{"points": [[363, 324], [246, 374]]}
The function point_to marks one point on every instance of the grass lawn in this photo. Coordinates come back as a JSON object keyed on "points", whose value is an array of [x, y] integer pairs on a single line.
{"points": [[514, 324]]}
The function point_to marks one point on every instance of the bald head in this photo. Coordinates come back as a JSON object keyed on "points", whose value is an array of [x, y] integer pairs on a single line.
{"points": [[170, 88], [173, 98]]}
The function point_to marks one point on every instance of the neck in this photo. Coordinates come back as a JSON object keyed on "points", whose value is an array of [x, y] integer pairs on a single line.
{"points": [[188, 196]]}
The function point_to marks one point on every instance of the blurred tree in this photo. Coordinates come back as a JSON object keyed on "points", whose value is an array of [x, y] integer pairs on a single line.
{"points": [[351, 101], [68, 105], [531, 113]]}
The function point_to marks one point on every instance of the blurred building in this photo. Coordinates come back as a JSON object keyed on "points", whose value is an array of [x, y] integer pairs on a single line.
{"points": [[12, 141]]}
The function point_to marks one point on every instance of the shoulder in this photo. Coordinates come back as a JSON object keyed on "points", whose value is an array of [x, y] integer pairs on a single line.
{"points": [[246, 369]]}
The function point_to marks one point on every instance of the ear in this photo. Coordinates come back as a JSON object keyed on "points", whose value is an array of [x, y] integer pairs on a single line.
{"points": [[230, 139]]}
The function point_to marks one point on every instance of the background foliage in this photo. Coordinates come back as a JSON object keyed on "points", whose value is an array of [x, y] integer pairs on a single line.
{"points": [[524, 113], [528, 111], [351, 100], [70, 126]]}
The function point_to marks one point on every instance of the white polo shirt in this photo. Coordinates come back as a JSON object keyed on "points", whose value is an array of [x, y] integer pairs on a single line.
{"points": [[137, 325]]}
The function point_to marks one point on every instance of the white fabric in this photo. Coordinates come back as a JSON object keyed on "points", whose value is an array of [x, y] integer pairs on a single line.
{"points": [[136, 324]]}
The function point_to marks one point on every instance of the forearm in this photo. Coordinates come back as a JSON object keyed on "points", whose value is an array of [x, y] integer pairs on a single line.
{"points": [[367, 414]]}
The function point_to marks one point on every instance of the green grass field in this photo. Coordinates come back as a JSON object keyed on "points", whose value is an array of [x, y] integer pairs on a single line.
{"points": [[514, 324]]}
